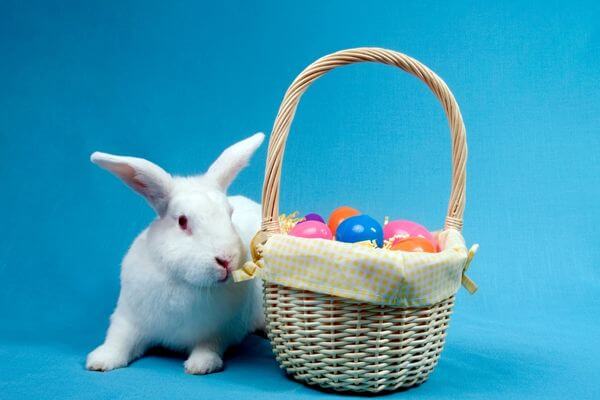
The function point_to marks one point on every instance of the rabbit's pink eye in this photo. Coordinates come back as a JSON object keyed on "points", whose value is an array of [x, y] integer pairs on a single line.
{"points": [[183, 222]]}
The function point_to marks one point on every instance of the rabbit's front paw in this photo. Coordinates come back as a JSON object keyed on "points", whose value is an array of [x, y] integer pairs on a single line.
{"points": [[105, 359], [203, 361]]}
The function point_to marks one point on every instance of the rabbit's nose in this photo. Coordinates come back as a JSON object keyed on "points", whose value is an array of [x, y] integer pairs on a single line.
{"points": [[223, 262]]}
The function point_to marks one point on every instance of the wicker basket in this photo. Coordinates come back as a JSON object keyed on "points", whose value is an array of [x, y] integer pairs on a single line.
{"points": [[339, 343]]}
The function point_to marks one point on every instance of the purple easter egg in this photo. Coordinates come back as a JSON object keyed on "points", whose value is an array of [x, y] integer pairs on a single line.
{"points": [[313, 217], [311, 230]]}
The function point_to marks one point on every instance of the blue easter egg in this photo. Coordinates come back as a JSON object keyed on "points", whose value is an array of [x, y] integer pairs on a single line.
{"points": [[360, 228]]}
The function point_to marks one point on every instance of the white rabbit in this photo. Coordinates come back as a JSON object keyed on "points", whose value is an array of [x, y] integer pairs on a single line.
{"points": [[176, 289]]}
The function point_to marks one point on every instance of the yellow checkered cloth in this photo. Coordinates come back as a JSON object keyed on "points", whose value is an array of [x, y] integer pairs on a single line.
{"points": [[364, 273]]}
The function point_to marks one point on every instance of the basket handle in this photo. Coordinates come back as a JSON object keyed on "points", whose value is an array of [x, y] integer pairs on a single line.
{"points": [[283, 121]]}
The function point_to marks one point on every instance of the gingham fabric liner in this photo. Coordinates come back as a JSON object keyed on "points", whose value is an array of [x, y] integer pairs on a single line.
{"points": [[364, 273]]}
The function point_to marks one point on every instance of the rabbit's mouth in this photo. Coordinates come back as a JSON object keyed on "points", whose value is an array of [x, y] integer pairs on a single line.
{"points": [[225, 264], [224, 278]]}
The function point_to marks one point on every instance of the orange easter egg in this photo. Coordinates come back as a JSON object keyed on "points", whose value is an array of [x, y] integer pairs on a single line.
{"points": [[414, 244], [339, 215]]}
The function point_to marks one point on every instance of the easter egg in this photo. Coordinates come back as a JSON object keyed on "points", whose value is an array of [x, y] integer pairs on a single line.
{"points": [[402, 229], [414, 244], [359, 228], [313, 217], [340, 214], [311, 230]]}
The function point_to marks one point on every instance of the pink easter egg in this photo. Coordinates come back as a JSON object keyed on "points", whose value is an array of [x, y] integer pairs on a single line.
{"points": [[311, 230], [402, 229]]}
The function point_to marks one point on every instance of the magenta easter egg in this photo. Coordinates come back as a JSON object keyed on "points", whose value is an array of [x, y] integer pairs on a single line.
{"points": [[311, 230], [402, 229]]}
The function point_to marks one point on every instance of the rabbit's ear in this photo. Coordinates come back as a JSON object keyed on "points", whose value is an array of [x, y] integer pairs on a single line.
{"points": [[146, 178], [233, 160]]}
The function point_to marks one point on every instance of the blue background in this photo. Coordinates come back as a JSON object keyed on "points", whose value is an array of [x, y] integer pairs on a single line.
{"points": [[177, 83]]}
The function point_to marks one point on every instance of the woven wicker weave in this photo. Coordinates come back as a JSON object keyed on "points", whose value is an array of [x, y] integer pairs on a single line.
{"points": [[338, 343], [346, 345]]}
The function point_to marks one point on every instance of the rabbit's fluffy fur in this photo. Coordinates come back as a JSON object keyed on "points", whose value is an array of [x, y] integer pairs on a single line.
{"points": [[176, 288]]}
